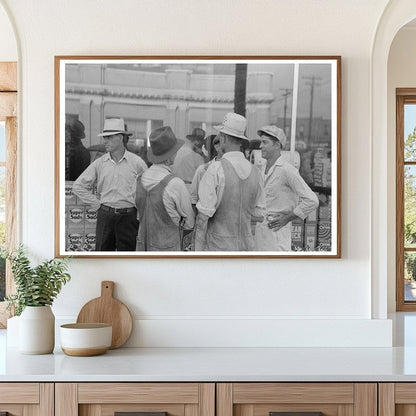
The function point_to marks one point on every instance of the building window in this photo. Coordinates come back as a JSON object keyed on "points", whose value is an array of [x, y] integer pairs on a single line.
{"points": [[406, 199]]}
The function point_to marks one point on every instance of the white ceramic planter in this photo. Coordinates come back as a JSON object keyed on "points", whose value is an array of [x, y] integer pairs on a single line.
{"points": [[37, 330], [12, 334]]}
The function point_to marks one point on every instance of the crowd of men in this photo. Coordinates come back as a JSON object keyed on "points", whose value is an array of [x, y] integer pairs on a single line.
{"points": [[199, 194]]}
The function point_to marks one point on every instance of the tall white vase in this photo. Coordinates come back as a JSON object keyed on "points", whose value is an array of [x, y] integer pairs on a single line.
{"points": [[12, 334], [37, 330]]}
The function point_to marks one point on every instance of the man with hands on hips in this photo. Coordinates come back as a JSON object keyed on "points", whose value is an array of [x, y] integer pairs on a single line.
{"points": [[287, 194], [115, 176]]}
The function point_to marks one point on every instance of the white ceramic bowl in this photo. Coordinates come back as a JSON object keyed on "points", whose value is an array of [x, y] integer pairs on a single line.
{"points": [[83, 340]]}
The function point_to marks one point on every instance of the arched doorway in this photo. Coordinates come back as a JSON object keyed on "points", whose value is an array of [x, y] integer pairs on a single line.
{"points": [[395, 16], [401, 101], [8, 150]]}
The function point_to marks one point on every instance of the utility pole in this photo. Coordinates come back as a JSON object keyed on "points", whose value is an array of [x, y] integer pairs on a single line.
{"points": [[286, 94], [240, 89], [312, 84]]}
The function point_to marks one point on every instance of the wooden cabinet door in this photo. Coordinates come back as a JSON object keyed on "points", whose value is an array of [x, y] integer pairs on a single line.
{"points": [[143, 399], [26, 399], [397, 399], [297, 399]]}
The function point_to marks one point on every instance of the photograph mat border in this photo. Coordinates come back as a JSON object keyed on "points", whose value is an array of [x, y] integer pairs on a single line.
{"points": [[334, 61]]}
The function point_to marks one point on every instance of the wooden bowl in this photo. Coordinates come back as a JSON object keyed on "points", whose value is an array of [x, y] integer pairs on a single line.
{"points": [[84, 340]]}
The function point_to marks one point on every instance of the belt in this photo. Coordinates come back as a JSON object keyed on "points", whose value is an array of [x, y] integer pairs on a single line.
{"points": [[118, 210]]}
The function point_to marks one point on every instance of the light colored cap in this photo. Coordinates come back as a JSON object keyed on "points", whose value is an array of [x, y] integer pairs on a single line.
{"points": [[234, 124], [274, 131], [114, 126]]}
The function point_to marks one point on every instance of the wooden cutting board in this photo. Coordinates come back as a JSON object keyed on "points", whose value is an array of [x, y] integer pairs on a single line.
{"points": [[108, 310]]}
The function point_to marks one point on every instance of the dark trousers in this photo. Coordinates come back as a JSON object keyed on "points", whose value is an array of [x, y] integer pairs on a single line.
{"points": [[116, 232]]}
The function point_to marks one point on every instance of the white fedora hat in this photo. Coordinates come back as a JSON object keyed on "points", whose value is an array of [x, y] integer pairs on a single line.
{"points": [[274, 131], [114, 126], [234, 125]]}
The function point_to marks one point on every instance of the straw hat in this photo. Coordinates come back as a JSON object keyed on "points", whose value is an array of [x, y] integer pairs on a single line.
{"points": [[114, 126], [234, 125]]}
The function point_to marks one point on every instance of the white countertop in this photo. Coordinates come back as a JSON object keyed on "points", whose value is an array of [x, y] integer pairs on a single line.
{"points": [[215, 364], [222, 364]]}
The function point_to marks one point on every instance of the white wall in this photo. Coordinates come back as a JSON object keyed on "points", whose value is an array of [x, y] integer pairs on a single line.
{"points": [[8, 46], [212, 301], [401, 74]]}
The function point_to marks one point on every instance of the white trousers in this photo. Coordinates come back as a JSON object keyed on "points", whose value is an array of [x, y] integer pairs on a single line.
{"points": [[268, 240]]}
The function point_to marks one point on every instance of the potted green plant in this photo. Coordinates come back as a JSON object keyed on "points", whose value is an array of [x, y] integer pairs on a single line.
{"points": [[36, 289]]}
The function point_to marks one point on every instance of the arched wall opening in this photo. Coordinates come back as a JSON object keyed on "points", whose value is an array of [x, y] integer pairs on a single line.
{"points": [[401, 74], [396, 15], [8, 136]]}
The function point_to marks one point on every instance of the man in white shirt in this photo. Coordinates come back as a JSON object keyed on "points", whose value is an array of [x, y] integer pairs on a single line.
{"points": [[115, 176], [189, 156], [163, 202], [287, 194], [230, 194], [214, 154]]}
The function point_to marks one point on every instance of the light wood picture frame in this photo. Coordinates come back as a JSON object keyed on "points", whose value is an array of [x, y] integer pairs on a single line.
{"points": [[297, 95]]}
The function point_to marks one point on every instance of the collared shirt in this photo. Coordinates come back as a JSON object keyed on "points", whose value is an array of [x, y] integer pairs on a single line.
{"points": [[212, 185], [199, 173], [115, 181], [176, 198], [286, 190], [186, 163]]}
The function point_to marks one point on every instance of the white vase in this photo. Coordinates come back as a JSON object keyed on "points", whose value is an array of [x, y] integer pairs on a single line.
{"points": [[37, 330], [12, 334]]}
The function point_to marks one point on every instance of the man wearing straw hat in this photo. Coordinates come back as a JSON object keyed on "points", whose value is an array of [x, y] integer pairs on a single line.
{"points": [[115, 176], [163, 202], [189, 156], [230, 195], [287, 194]]}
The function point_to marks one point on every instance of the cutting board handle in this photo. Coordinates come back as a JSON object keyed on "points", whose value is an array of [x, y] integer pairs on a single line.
{"points": [[107, 289]]}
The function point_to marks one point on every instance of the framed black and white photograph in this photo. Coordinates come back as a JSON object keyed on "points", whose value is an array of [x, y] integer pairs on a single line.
{"points": [[198, 156]]}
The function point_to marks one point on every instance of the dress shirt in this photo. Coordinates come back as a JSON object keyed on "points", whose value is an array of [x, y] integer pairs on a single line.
{"points": [[115, 181], [199, 173], [212, 185], [176, 198], [286, 190], [186, 163]]}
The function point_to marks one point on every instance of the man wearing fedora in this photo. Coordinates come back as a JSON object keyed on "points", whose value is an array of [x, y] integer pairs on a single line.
{"points": [[189, 156], [79, 156], [115, 176], [287, 194], [230, 195], [214, 154], [163, 202]]}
